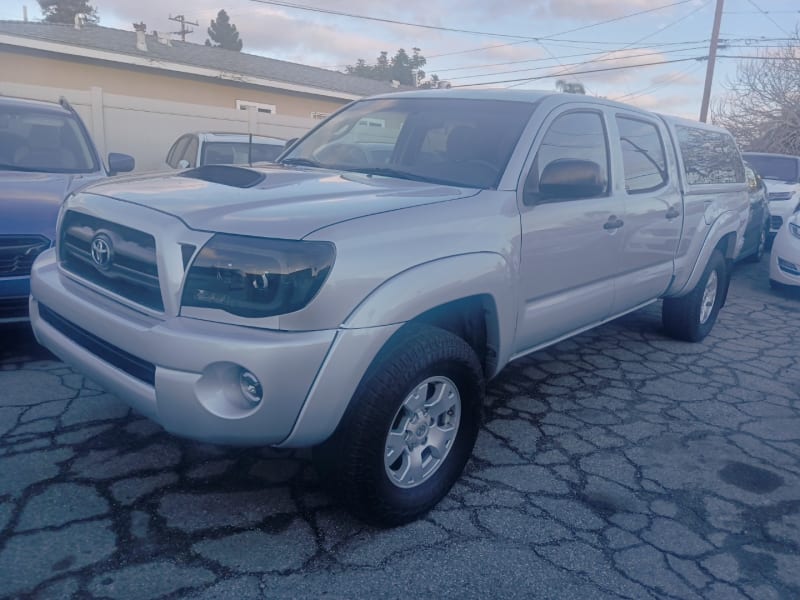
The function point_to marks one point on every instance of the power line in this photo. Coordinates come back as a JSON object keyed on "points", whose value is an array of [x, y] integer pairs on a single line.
{"points": [[726, 43], [641, 39], [551, 76], [609, 59], [559, 34], [766, 14], [657, 86], [577, 64], [756, 57], [522, 38]]}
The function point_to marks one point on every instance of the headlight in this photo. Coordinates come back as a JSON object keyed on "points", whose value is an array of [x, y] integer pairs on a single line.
{"points": [[794, 230], [257, 277]]}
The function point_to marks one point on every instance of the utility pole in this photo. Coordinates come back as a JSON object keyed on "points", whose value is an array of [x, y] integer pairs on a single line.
{"points": [[712, 57], [184, 29]]}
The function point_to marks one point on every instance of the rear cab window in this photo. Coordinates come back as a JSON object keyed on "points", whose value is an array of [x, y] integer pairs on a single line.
{"points": [[709, 157]]}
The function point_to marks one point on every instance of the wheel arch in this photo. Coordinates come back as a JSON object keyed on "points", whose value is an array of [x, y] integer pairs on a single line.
{"points": [[723, 236], [470, 295]]}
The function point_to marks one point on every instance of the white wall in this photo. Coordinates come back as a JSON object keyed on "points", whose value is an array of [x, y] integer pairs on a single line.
{"points": [[146, 128]]}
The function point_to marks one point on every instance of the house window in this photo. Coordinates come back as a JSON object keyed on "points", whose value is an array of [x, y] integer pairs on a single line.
{"points": [[267, 109], [319, 116]]}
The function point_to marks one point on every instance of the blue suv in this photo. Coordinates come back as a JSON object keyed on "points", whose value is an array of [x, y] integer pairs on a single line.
{"points": [[45, 154]]}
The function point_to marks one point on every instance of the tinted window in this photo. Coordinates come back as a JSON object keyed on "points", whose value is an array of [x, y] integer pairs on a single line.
{"points": [[782, 168], [176, 152], [643, 158], [575, 136], [709, 157], [190, 154], [444, 140], [34, 140], [238, 153]]}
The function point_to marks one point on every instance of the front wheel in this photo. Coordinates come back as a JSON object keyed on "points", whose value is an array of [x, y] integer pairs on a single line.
{"points": [[409, 430], [692, 316]]}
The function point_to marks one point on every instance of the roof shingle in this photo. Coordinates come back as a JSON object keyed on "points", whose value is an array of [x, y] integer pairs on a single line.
{"points": [[124, 42]]}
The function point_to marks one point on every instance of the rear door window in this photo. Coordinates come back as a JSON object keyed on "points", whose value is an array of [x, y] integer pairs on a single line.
{"points": [[643, 158]]}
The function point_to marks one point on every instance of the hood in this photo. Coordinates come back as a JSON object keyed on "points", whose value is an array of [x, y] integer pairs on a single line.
{"points": [[288, 203], [29, 202], [777, 186]]}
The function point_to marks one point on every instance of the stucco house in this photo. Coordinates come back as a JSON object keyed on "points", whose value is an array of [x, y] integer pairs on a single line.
{"points": [[138, 91], [151, 65]]}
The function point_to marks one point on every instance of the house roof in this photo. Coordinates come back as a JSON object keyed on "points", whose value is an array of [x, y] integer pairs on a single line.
{"points": [[109, 43]]}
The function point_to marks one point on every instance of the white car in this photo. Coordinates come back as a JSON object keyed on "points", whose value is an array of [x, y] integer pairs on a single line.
{"points": [[784, 262], [199, 149], [781, 173]]}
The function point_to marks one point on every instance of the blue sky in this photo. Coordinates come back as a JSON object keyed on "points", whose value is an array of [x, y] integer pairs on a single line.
{"points": [[570, 37]]}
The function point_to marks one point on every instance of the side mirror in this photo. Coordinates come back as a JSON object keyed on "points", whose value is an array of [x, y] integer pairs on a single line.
{"points": [[566, 179], [120, 163]]}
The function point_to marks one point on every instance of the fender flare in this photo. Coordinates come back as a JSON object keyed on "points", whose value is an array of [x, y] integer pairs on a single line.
{"points": [[383, 312], [725, 224], [428, 285]]}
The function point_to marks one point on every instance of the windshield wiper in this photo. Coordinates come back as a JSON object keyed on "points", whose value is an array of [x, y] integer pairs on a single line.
{"points": [[389, 172], [4, 167], [300, 162]]}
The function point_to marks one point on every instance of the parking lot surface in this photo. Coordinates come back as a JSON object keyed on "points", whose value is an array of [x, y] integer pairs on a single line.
{"points": [[618, 464]]}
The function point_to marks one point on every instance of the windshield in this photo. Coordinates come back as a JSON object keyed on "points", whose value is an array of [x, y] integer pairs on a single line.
{"points": [[39, 141], [442, 140], [238, 153], [782, 168]]}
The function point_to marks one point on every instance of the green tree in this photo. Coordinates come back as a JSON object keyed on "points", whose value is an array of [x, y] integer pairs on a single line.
{"points": [[402, 67], [223, 33], [762, 106], [64, 11], [570, 87]]}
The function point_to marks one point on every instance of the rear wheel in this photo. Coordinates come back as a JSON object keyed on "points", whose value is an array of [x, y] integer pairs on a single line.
{"points": [[691, 317], [409, 430]]}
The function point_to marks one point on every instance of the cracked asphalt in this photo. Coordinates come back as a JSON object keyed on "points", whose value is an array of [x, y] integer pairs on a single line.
{"points": [[617, 464]]}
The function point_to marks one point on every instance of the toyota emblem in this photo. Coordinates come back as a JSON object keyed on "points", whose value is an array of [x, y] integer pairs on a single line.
{"points": [[102, 251]]}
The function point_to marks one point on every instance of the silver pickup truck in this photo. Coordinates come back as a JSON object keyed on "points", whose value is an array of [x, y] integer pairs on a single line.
{"points": [[356, 296]]}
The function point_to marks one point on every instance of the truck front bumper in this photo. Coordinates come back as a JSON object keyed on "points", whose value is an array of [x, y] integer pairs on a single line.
{"points": [[185, 373]]}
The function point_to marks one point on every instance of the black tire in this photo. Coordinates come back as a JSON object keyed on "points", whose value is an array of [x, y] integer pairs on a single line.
{"points": [[682, 317], [352, 463]]}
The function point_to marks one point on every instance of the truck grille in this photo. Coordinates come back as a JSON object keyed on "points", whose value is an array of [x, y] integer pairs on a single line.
{"points": [[132, 365], [112, 256], [17, 253]]}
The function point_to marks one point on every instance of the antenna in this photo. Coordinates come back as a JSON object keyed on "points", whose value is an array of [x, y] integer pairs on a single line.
{"points": [[184, 29]]}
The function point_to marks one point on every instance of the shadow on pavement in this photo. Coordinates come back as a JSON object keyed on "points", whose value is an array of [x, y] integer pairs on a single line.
{"points": [[17, 344]]}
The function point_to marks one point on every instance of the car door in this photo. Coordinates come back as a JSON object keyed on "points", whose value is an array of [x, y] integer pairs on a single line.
{"points": [[653, 209], [570, 245]]}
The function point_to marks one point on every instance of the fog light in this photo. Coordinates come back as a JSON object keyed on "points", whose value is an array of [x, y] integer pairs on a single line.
{"points": [[251, 387]]}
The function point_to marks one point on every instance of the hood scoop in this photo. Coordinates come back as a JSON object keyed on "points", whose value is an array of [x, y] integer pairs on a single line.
{"points": [[238, 177]]}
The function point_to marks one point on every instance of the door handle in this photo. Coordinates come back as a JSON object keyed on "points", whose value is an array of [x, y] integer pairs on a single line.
{"points": [[613, 223], [673, 213]]}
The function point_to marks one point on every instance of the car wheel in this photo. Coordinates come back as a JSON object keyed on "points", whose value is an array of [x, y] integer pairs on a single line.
{"points": [[409, 430], [692, 316]]}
